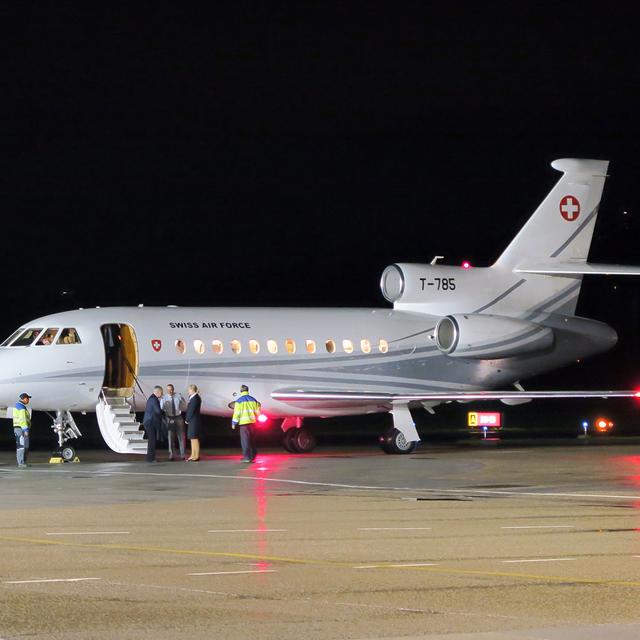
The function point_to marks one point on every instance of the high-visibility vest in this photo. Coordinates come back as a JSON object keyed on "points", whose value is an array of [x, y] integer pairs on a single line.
{"points": [[21, 416], [246, 409]]}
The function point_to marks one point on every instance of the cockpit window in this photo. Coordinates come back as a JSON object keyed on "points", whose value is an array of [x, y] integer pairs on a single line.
{"points": [[47, 337], [12, 337], [68, 336], [26, 337]]}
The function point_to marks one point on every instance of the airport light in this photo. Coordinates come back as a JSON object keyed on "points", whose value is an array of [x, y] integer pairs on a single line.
{"points": [[603, 425], [263, 419], [466, 265]]}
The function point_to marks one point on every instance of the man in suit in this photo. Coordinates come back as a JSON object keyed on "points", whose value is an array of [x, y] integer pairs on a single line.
{"points": [[192, 420], [173, 405], [152, 422]]}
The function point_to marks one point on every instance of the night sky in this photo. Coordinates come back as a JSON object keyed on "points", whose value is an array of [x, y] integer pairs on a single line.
{"points": [[285, 153]]}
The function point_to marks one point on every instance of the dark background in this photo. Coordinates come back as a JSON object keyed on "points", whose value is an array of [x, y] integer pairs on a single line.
{"points": [[285, 153]]}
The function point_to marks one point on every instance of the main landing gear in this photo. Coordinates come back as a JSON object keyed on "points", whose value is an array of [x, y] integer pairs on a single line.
{"points": [[297, 439], [394, 441], [65, 428], [403, 437]]}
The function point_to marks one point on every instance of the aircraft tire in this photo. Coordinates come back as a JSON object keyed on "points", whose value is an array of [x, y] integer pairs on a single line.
{"points": [[303, 441], [287, 440], [396, 443], [382, 440], [68, 453]]}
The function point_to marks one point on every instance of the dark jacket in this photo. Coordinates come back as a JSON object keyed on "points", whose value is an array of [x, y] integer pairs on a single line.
{"points": [[152, 414], [192, 416]]}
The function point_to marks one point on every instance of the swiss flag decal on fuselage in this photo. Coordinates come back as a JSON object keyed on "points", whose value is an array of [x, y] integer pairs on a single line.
{"points": [[156, 344]]}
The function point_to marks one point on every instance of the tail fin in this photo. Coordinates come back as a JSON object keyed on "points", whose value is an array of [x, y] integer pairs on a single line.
{"points": [[562, 226], [558, 234]]}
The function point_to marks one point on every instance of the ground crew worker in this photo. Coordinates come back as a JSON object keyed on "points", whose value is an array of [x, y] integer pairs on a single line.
{"points": [[245, 413], [21, 426]]}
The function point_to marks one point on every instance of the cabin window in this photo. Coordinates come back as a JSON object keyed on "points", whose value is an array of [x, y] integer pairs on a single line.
{"points": [[272, 346], [236, 347], [310, 345], [254, 346], [27, 337], [347, 346], [68, 336], [13, 336], [198, 346], [47, 337], [180, 346], [217, 347], [383, 346], [365, 346], [330, 346], [290, 345]]}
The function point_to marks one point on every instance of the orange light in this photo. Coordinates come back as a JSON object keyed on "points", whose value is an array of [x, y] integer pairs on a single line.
{"points": [[603, 425]]}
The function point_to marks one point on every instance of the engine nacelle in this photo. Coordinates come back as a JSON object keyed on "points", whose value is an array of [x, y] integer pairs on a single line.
{"points": [[487, 337], [414, 282]]}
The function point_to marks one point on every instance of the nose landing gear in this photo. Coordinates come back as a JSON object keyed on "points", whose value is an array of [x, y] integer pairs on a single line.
{"points": [[65, 429]]}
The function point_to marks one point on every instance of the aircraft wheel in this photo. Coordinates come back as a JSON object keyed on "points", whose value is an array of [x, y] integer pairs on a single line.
{"points": [[288, 439], [396, 442], [303, 441], [68, 453], [382, 440]]}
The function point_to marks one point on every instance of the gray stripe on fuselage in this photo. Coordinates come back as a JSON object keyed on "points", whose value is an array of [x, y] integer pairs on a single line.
{"points": [[501, 296], [567, 292]]}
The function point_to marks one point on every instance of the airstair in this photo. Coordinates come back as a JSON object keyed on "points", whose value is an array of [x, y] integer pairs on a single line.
{"points": [[118, 424]]}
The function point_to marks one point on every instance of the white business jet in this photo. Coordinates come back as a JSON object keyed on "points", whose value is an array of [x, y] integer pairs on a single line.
{"points": [[453, 334]]}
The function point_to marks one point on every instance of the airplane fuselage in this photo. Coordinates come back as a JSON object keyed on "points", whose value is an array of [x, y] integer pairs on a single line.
{"points": [[359, 350]]}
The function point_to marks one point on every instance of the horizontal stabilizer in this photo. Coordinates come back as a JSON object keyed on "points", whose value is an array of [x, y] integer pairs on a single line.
{"points": [[578, 269]]}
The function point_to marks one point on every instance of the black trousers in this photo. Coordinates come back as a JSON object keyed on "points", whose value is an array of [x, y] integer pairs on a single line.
{"points": [[151, 443]]}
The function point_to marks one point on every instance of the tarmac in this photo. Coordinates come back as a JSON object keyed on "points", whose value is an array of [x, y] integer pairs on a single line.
{"points": [[481, 542]]}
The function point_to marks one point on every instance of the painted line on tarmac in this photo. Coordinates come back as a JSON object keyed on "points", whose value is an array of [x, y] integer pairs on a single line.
{"points": [[538, 560], [543, 526], [86, 533], [359, 487], [229, 573], [319, 563], [394, 528], [50, 580], [246, 530], [396, 566]]}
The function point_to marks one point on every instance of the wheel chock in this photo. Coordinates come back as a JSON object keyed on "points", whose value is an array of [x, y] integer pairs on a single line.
{"points": [[55, 460]]}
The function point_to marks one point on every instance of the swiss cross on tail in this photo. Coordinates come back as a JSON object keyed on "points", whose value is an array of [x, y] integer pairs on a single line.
{"points": [[156, 344], [570, 208]]}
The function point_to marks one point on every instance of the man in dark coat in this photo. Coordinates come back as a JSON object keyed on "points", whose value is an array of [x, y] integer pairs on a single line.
{"points": [[152, 422], [192, 420]]}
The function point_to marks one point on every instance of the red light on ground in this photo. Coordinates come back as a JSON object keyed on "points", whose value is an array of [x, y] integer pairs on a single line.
{"points": [[636, 394], [466, 265], [262, 418]]}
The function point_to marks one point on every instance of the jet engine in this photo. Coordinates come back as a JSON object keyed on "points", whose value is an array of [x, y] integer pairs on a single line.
{"points": [[487, 337]]}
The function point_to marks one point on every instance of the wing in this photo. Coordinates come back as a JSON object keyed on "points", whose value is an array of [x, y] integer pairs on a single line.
{"points": [[335, 398]]}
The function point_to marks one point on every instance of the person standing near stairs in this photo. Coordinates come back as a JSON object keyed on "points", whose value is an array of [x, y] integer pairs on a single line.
{"points": [[192, 420], [152, 422], [173, 404]]}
